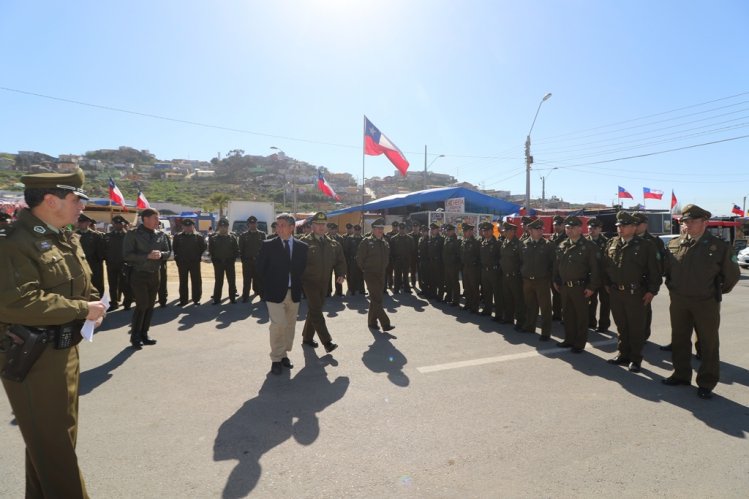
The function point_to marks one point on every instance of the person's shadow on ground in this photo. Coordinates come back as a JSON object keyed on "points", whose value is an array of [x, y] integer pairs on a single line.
{"points": [[383, 357], [284, 408], [96, 376]]}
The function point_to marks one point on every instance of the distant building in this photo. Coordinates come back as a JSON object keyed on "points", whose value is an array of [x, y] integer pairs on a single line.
{"points": [[205, 173]]}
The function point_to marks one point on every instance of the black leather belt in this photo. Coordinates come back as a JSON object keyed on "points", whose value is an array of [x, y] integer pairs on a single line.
{"points": [[64, 336], [495, 267], [511, 274], [572, 284], [626, 287]]}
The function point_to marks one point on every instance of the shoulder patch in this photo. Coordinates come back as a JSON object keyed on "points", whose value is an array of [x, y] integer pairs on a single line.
{"points": [[43, 245], [40, 229]]}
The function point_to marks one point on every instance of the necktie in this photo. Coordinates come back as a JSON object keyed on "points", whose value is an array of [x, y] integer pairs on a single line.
{"points": [[288, 248]]}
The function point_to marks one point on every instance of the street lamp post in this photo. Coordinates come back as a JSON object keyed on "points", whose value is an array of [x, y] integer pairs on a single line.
{"points": [[426, 167], [293, 185], [529, 158], [543, 187]]}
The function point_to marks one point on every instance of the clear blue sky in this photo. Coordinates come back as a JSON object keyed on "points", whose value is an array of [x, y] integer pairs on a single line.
{"points": [[463, 77]]}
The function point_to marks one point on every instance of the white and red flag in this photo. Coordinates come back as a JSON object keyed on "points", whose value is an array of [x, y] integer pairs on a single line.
{"points": [[648, 193], [325, 187], [376, 143], [114, 193], [142, 202]]}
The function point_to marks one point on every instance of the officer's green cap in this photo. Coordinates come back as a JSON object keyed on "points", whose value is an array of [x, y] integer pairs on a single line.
{"points": [[319, 218], [508, 226], [691, 211], [536, 224], [223, 222], [558, 219], [379, 223], [402, 225], [119, 219], [624, 218], [572, 221], [252, 219], [640, 217], [68, 181], [433, 226], [83, 218], [187, 221], [486, 226], [594, 222], [449, 227], [467, 226]]}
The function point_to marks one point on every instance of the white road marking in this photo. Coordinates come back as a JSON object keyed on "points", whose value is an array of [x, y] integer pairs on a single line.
{"points": [[502, 358]]}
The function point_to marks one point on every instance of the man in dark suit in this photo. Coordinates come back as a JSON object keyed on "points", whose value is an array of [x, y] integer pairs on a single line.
{"points": [[280, 265]]}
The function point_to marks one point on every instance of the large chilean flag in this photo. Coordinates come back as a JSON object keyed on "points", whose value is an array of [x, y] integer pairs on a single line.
{"points": [[325, 187], [376, 143], [115, 195]]}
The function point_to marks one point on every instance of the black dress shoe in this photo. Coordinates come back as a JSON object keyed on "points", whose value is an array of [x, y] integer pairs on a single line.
{"points": [[564, 344], [518, 328], [149, 341], [233, 300], [285, 362], [373, 326], [245, 299], [544, 338], [276, 368], [577, 350], [704, 393], [665, 348], [310, 343], [672, 381], [330, 346], [216, 302], [196, 302], [136, 345], [388, 328], [183, 303], [126, 307], [163, 305], [619, 360], [634, 367]]}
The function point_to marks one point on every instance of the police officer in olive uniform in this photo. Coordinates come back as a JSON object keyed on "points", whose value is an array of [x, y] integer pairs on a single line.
{"points": [[45, 288], [491, 291], [525, 235], [118, 286], [510, 264], [94, 247], [324, 256], [163, 291], [224, 250], [415, 235], [402, 248], [389, 272], [632, 277], [189, 247], [451, 262], [435, 266], [537, 264], [576, 277], [249, 248], [422, 251], [700, 268], [145, 248], [557, 237], [333, 234], [660, 248], [603, 322], [354, 277], [372, 257], [470, 262]]}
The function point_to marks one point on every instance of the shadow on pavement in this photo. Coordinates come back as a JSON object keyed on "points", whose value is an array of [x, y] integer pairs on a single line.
{"points": [[383, 357], [284, 408], [92, 378]]}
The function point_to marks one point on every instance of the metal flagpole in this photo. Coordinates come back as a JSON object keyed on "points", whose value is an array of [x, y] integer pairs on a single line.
{"points": [[363, 156]]}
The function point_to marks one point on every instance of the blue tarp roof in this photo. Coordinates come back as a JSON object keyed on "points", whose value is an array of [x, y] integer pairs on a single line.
{"points": [[475, 202]]}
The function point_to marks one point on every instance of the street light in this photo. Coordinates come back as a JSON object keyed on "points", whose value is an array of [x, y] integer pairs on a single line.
{"points": [[293, 184], [529, 158], [543, 187], [426, 167]]}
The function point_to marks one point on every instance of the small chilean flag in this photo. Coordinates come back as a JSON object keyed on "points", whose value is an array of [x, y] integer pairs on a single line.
{"points": [[114, 193], [375, 143], [623, 194], [673, 199], [648, 193], [737, 210], [325, 187], [142, 202]]}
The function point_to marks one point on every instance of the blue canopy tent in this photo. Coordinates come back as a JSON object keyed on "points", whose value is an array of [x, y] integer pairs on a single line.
{"points": [[431, 199]]}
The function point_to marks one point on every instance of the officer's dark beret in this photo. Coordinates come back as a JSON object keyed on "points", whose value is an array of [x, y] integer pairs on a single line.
{"points": [[536, 224], [508, 226], [433, 226], [594, 222], [67, 181], [83, 218], [119, 219], [319, 218], [691, 211], [467, 226], [223, 223], [187, 221], [624, 218], [379, 223], [486, 226], [640, 217], [349, 226], [572, 221], [252, 219], [449, 227]]}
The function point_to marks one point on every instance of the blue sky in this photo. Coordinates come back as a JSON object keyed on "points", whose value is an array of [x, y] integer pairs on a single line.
{"points": [[464, 78]]}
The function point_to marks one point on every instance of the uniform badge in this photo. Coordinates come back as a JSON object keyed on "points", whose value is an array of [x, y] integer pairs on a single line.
{"points": [[39, 229], [45, 245], [713, 247]]}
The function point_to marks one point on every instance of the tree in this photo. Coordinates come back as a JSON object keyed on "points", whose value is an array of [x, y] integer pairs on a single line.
{"points": [[219, 200]]}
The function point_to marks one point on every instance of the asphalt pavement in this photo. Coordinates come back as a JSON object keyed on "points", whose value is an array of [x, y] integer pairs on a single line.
{"points": [[449, 405]]}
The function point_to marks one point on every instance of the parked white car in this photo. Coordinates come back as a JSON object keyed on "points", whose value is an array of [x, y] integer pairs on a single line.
{"points": [[744, 258]]}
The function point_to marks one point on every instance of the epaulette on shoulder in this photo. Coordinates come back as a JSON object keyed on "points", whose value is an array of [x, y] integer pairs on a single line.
{"points": [[6, 231]]}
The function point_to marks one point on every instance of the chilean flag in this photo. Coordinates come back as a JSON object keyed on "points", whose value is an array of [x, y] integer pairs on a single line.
{"points": [[737, 210], [623, 194], [673, 199], [375, 143], [648, 193], [325, 187], [142, 202], [114, 193]]}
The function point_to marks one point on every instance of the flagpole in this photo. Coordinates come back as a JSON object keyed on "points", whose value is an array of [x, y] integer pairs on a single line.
{"points": [[363, 157]]}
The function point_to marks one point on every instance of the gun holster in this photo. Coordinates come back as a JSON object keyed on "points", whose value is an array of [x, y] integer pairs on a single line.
{"points": [[25, 349]]}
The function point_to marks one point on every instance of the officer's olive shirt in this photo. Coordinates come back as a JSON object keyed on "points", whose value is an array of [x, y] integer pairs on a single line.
{"points": [[324, 255], [113, 242], [578, 261], [632, 262], [223, 247], [250, 243], [470, 252], [44, 277], [538, 259], [188, 247], [510, 256], [402, 248], [434, 248], [93, 244], [489, 253], [139, 243], [660, 248], [373, 255], [451, 251], [699, 269]]}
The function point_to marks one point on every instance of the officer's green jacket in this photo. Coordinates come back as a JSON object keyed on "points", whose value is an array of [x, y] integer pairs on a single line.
{"points": [[373, 254], [578, 261], [631, 263], [489, 253], [188, 247], [223, 247], [250, 243], [601, 242], [511, 255], [451, 251], [93, 244], [44, 277], [434, 248], [423, 248], [538, 259], [324, 255], [660, 248], [402, 248], [113, 242], [701, 269], [139, 243], [470, 252], [351, 246]]}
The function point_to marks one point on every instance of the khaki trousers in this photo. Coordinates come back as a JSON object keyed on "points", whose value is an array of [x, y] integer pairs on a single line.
{"points": [[282, 325]]}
